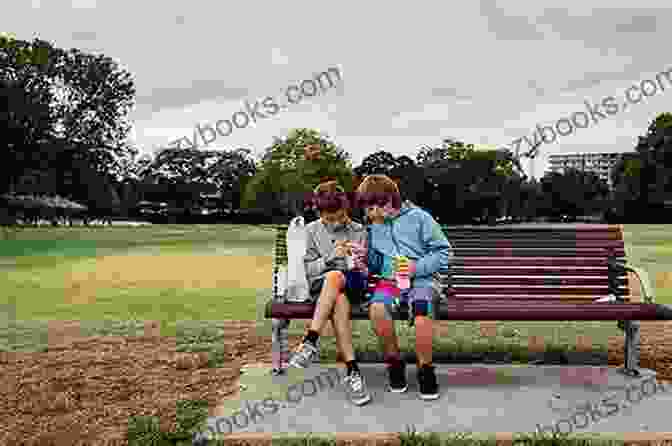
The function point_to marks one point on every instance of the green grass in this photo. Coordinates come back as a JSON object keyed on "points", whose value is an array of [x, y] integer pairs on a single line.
{"points": [[34, 262], [650, 247]]}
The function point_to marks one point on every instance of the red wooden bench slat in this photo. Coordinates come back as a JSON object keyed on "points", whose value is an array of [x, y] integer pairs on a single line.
{"points": [[535, 252], [546, 228], [532, 270], [529, 235], [529, 261], [509, 311], [525, 297], [506, 290], [535, 243], [534, 281], [538, 311]]}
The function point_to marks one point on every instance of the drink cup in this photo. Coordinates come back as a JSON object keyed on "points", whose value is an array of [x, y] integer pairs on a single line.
{"points": [[403, 281]]}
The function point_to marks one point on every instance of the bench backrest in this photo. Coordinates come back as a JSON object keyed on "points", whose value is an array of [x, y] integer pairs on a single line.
{"points": [[568, 263]]}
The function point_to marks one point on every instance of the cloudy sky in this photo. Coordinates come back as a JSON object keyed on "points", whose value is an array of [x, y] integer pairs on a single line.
{"points": [[412, 72]]}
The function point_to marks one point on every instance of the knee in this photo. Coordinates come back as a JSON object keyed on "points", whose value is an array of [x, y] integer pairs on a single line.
{"points": [[422, 308], [342, 302], [335, 278], [376, 312], [382, 325]]}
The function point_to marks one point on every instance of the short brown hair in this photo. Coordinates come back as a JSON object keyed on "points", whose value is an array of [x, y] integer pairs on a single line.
{"points": [[378, 189], [330, 196]]}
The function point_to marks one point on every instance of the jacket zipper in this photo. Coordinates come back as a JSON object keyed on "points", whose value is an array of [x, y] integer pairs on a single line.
{"points": [[394, 239]]}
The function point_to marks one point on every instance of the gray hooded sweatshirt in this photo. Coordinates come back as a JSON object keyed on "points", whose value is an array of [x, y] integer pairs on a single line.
{"points": [[320, 248]]}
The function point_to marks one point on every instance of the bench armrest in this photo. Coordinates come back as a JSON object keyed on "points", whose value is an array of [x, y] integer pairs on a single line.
{"points": [[646, 288]]}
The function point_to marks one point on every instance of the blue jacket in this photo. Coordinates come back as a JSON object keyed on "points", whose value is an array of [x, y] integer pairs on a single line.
{"points": [[415, 234]]}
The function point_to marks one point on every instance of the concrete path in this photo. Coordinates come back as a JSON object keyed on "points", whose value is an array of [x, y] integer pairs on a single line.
{"points": [[474, 398]]}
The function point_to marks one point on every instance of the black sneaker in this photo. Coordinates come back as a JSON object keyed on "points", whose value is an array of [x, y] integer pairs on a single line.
{"points": [[397, 376], [429, 388]]}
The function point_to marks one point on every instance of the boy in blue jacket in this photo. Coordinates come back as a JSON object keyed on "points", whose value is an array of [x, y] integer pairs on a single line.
{"points": [[402, 240]]}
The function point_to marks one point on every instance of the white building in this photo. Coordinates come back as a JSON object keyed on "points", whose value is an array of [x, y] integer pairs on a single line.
{"points": [[599, 163]]}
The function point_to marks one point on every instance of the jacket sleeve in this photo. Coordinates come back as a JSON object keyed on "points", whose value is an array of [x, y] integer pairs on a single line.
{"points": [[314, 263], [438, 251], [374, 258]]}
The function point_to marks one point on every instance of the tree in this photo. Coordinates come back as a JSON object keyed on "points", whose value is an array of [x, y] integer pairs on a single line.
{"points": [[480, 183], [64, 108], [655, 153], [96, 98], [285, 176], [573, 192], [450, 150], [643, 179], [380, 162], [25, 114], [224, 172]]}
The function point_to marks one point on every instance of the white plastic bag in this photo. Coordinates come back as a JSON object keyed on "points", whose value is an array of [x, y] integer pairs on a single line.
{"points": [[281, 280], [297, 283]]}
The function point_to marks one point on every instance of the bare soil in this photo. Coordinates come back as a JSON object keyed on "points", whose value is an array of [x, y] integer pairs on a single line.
{"points": [[86, 389]]}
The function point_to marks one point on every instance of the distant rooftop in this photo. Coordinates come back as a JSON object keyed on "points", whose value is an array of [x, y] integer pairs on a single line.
{"points": [[587, 153]]}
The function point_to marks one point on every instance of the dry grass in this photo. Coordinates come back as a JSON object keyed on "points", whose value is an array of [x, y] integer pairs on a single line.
{"points": [[166, 271]]}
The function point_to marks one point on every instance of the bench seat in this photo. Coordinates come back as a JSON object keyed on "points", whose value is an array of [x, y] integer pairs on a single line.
{"points": [[491, 309]]}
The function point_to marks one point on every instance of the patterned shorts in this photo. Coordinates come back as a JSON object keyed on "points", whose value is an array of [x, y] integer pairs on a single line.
{"points": [[388, 294]]}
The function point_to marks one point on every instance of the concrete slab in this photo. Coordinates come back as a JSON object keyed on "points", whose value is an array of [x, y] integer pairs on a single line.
{"points": [[474, 398]]}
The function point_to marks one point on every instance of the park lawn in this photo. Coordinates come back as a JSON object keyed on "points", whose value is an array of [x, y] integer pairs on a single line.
{"points": [[194, 276], [165, 273]]}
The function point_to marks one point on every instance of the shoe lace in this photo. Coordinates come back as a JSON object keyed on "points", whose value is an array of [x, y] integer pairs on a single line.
{"points": [[356, 382], [305, 351]]}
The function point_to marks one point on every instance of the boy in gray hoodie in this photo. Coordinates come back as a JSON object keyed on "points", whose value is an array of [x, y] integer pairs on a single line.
{"points": [[334, 283]]}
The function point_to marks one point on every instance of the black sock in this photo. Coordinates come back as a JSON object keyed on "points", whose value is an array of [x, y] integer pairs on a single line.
{"points": [[312, 337], [394, 361], [352, 366]]}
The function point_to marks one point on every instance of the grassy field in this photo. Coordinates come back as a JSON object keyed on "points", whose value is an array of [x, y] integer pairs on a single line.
{"points": [[190, 277]]}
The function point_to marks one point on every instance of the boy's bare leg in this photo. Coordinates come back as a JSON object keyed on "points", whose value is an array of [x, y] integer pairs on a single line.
{"points": [[423, 340], [384, 328], [343, 328], [308, 351], [334, 282]]}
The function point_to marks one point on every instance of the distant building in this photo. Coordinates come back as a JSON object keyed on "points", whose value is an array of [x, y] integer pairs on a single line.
{"points": [[599, 163]]}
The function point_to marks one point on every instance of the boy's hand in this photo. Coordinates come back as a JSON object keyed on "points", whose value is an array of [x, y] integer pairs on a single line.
{"points": [[405, 264], [359, 255], [342, 248]]}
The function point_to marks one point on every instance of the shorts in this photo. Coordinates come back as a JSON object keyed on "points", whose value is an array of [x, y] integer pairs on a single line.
{"points": [[356, 286], [386, 293]]}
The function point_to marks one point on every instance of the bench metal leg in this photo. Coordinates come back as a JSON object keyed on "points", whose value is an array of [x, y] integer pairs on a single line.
{"points": [[280, 343], [632, 349]]}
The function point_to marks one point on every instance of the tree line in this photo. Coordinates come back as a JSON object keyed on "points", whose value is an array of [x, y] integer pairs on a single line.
{"points": [[65, 131]]}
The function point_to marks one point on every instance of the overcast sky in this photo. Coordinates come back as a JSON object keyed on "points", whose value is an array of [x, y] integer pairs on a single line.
{"points": [[412, 72]]}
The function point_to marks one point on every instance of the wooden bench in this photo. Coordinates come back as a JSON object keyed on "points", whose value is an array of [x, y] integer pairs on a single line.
{"points": [[524, 273]]}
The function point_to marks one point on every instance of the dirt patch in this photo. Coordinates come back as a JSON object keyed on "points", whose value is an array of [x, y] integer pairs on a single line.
{"points": [[88, 388], [167, 271]]}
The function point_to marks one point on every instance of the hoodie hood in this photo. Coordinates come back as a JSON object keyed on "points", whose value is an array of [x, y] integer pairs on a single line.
{"points": [[412, 233], [405, 209]]}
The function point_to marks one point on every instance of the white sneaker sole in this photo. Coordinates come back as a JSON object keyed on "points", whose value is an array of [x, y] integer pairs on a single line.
{"points": [[430, 397], [398, 390], [362, 401]]}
